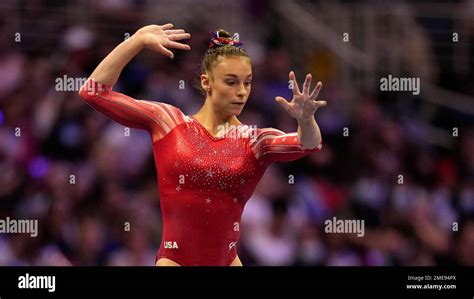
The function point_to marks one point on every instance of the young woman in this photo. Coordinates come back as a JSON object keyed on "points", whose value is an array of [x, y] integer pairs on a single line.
{"points": [[205, 174]]}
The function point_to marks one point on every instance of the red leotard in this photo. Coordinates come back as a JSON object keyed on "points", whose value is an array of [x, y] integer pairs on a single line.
{"points": [[203, 181]]}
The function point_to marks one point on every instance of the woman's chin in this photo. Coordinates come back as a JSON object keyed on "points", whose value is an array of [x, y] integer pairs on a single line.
{"points": [[236, 110]]}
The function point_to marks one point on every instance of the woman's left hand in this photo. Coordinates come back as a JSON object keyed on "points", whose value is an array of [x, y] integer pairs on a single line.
{"points": [[303, 106]]}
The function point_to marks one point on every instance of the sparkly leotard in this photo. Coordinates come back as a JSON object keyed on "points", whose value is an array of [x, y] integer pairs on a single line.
{"points": [[203, 181]]}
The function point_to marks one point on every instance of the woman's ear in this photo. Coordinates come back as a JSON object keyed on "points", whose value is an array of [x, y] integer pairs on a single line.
{"points": [[205, 83]]}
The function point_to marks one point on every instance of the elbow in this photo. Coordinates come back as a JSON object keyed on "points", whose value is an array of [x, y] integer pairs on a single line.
{"points": [[86, 92], [91, 89], [313, 146]]}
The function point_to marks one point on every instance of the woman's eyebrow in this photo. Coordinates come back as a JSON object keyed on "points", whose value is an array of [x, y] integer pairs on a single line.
{"points": [[235, 76]]}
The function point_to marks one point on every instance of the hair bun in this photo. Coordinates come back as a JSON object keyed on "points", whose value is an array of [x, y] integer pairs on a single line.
{"points": [[221, 38], [223, 33]]}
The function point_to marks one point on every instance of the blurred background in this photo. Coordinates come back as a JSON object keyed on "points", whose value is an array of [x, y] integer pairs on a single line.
{"points": [[401, 162]]}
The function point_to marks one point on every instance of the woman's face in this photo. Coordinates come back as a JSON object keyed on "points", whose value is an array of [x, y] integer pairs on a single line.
{"points": [[228, 84]]}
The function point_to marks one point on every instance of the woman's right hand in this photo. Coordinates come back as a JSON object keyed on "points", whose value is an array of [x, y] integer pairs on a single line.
{"points": [[162, 38]]}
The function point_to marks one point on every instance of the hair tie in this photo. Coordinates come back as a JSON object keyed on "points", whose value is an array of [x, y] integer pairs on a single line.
{"points": [[217, 41]]}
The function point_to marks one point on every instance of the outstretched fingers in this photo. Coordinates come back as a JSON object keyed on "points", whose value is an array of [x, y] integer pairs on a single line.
{"points": [[316, 91], [294, 84], [164, 50], [176, 45], [307, 84], [284, 103], [174, 31], [320, 103], [166, 26], [179, 36]]}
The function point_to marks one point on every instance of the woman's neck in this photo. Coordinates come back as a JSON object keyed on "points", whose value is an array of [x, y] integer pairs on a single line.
{"points": [[212, 119]]}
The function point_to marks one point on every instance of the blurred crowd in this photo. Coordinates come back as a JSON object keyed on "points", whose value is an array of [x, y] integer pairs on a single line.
{"points": [[93, 187]]}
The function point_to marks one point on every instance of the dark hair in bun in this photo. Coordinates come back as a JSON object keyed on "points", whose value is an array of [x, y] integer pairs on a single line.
{"points": [[221, 44]]}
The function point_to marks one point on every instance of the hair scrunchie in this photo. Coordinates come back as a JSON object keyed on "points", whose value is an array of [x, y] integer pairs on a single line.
{"points": [[217, 41]]}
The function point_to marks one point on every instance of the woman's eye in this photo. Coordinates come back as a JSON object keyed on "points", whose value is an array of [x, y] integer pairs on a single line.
{"points": [[230, 82], [248, 83]]}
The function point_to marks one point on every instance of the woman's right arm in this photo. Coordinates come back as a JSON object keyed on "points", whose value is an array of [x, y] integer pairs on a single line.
{"points": [[154, 37], [97, 91]]}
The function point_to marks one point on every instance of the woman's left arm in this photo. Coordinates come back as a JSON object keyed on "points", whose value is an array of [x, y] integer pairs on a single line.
{"points": [[309, 133], [303, 106]]}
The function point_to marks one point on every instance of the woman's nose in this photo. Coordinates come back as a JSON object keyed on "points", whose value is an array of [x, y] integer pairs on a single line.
{"points": [[241, 91]]}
